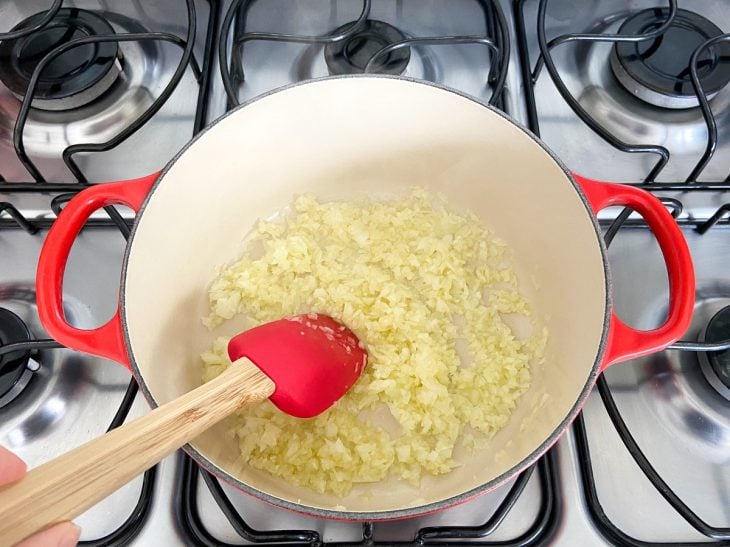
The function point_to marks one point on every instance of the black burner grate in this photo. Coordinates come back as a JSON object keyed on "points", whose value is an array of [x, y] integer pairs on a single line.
{"points": [[61, 192], [610, 531], [539, 532], [99, 41], [373, 49], [354, 55], [718, 535], [139, 515], [545, 60]]}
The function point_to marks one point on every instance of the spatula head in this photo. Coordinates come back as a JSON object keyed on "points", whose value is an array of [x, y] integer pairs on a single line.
{"points": [[312, 359]]}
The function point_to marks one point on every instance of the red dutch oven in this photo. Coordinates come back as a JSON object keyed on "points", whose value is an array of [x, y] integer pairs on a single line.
{"points": [[344, 138]]}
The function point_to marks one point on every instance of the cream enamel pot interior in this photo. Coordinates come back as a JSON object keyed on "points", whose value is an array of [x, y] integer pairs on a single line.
{"points": [[343, 138]]}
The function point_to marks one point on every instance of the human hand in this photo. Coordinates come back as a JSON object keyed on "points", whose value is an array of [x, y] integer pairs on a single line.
{"points": [[64, 534]]}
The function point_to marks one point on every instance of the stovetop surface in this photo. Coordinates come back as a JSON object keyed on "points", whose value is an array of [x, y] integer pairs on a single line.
{"points": [[586, 71], [676, 419], [149, 67]]}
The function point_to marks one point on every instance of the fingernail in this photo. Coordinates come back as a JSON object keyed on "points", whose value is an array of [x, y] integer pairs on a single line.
{"points": [[71, 538]]}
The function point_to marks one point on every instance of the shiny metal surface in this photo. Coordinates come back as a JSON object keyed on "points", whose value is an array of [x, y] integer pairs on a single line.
{"points": [[147, 67], [269, 65], [681, 394], [677, 418], [72, 397], [586, 70]]}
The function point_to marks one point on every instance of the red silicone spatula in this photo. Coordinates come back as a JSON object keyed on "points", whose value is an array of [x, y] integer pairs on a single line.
{"points": [[303, 363]]}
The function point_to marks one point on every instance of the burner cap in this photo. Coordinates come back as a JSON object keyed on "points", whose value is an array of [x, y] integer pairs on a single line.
{"points": [[12, 365], [657, 71], [350, 56], [72, 79], [716, 364]]}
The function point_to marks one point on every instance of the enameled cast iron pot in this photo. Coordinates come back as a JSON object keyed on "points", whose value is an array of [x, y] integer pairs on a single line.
{"points": [[341, 138]]}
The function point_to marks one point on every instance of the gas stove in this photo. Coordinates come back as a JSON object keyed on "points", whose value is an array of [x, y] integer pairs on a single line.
{"points": [[635, 92]]}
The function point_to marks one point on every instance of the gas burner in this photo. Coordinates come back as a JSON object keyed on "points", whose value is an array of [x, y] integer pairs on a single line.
{"points": [[675, 384], [657, 71], [72, 79], [716, 365], [16, 368], [350, 56]]}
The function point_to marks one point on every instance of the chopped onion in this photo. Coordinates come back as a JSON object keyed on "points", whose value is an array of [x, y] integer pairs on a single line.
{"points": [[414, 280]]}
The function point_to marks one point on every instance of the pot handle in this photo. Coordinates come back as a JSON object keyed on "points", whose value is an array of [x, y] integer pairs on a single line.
{"points": [[624, 342], [107, 340]]}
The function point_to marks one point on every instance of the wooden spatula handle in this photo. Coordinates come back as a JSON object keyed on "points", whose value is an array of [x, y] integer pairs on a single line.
{"points": [[64, 488]]}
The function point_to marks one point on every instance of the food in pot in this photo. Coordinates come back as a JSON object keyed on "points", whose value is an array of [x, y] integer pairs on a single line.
{"points": [[428, 291]]}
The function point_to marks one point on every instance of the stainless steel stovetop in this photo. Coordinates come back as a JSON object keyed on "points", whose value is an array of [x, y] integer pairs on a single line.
{"points": [[649, 459]]}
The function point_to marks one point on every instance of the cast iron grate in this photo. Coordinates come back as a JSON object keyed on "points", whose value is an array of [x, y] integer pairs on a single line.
{"points": [[60, 193], [186, 60], [607, 528], [539, 532], [717, 535], [495, 38], [545, 61]]}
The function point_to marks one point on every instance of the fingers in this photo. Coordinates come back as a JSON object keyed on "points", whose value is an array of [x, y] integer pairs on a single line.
{"points": [[12, 467], [65, 534]]}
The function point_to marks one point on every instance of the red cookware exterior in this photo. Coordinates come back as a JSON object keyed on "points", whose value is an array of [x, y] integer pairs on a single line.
{"points": [[619, 341]]}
